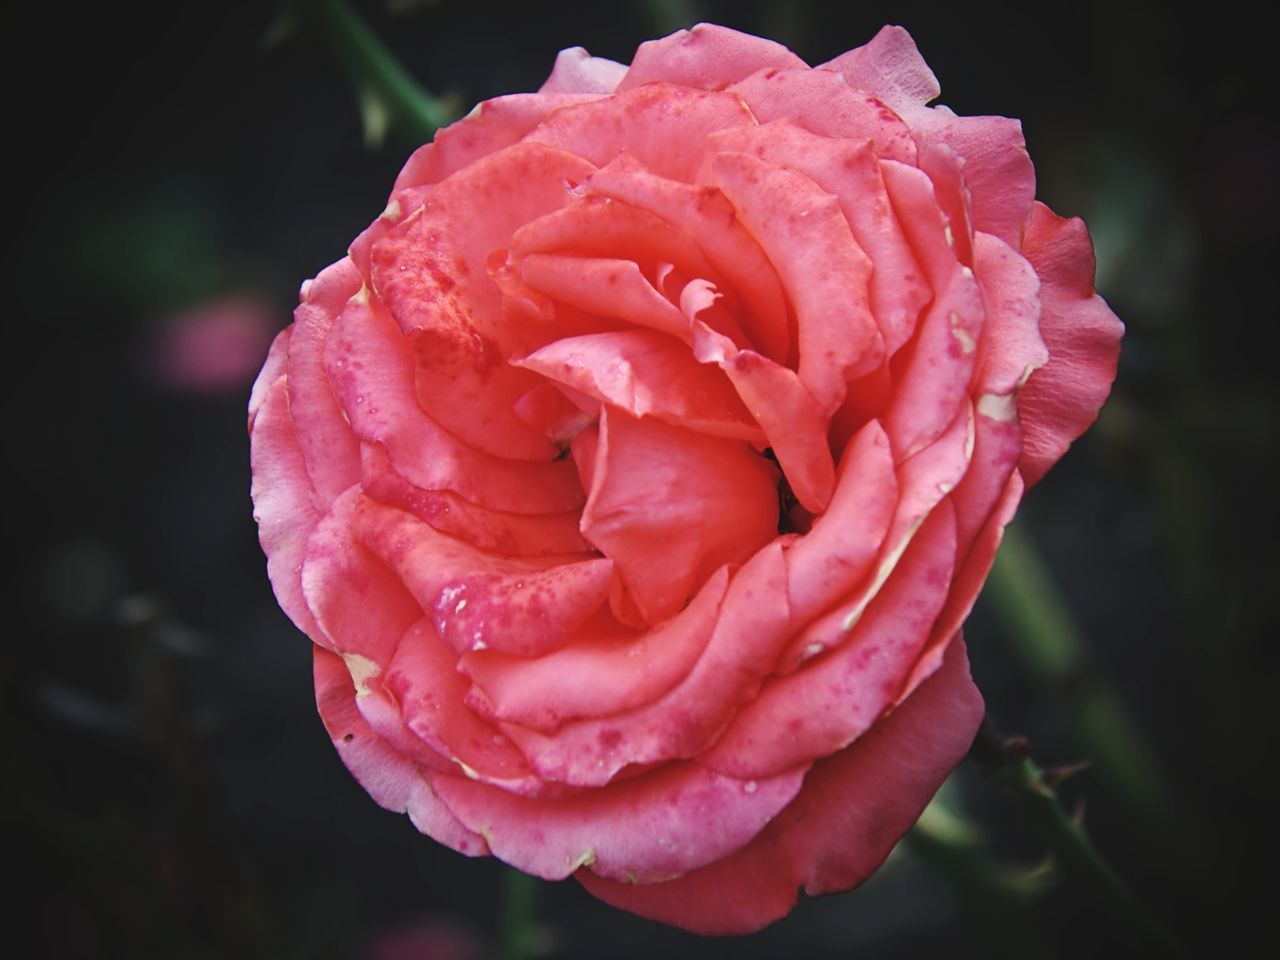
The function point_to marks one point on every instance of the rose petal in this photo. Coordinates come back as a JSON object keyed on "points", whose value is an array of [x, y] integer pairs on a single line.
{"points": [[970, 576], [645, 373], [825, 273], [604, 287], [283, 503], [431, 269], [329, 448], [490, 127], [1011, 347], [838, 697], [707, 56], [577, 71], [603, 673], [603, 227], [851, 811], [392, 780], [477, 600], [890, 68], [423, 677], [822, 102], [839, 549], [645, 829], [663, 126], [997, 169], [708, 217], [1063, 397], [936, 369], [360, 605], [670, 506], [273, 368], [509, 534], [371, 368], [753, 626], [851, 173], [923, 483], [792, 420]]}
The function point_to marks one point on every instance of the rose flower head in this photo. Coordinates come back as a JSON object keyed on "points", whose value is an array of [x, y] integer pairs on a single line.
{"points": [[634, 472]]}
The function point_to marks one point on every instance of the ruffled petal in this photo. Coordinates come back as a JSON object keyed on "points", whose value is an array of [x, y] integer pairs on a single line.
{"points": [[890, 68], [834, 556], [644, 829], [393, 780], [792, 420], [577, 71], [329, 448], [824, 271], [661, 125], [708, 217], [508, 534], [359, 603], [1011, 347], [753, 626], [1063, 398], [480, 601], [851, 811], [607, 670], [935, 370], [708, 57], [669, 506], [822, 102], [283, 503], [371, 367], [490, 127], [424, 679], [850, 172], [273, 368], [645, 373], [838, 697]]}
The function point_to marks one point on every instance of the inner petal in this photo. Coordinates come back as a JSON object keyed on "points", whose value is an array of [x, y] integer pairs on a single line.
{"points": [[669, 506], [647, 373]]}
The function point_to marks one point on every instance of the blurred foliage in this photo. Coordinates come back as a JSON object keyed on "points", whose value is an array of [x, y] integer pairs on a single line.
{"points": [[171, 792]]}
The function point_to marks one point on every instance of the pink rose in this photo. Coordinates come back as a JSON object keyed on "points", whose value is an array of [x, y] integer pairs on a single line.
{"points": [[634, 473]]}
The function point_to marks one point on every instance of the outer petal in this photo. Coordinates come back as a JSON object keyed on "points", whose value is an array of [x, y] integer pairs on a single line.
{"points": [[822, 102], [283, 503], [708, 57], [1063, 398], [645, 829], [273, 368], [889, 67], [577, 71], [490, 127], [852, 810], [393, 780], [664, 126]]}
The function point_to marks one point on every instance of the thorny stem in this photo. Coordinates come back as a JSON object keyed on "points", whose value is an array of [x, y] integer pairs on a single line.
{"points": [[1008, 761], [1047, 642]]}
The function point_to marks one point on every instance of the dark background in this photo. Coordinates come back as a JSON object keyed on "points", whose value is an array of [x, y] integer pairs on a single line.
{"points": [[169, 790]]}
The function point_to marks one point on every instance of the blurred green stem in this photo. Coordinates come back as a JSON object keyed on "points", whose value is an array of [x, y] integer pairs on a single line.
{"points": [[1007, 760], [414, 112], [994, 896], [518, 933], [1045, 639]]}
